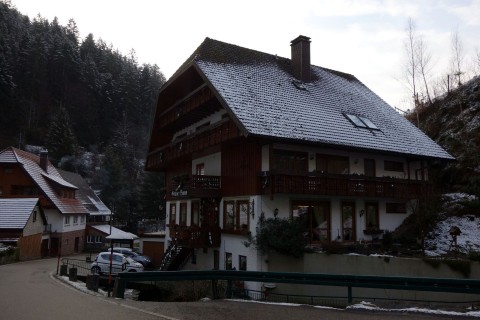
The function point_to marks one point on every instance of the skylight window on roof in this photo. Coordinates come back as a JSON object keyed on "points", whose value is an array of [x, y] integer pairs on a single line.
{"points": [[356, 121], [369, 123], [361, 122]]}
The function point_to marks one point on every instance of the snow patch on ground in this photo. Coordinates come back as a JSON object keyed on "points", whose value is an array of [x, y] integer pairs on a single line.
{"points": [[372, 307], [439, 241]]}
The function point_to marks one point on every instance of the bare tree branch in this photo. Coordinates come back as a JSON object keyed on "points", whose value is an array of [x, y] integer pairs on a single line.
{"points": [[457, 56], [411, 65], [424, 58]]}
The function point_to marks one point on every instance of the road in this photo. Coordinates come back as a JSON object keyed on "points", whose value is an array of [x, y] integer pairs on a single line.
{"points": [[30, 291]]}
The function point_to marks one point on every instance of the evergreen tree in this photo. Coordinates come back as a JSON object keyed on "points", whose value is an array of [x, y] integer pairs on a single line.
{"points": [[121, 178], [61, 140], [152, 192]]}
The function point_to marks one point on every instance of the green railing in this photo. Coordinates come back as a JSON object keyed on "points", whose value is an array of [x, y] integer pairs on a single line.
{"points": [[349, 281]]}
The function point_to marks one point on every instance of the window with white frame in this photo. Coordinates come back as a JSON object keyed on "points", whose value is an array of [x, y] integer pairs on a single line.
{"points": [[94, 239], [228, 261], [183, 214], [242, 263], [67, 220], [75, 219], [236, 215], [173, 213]]}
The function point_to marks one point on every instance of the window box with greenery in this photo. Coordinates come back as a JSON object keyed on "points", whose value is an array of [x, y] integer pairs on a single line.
{"points": [[373, 231]]}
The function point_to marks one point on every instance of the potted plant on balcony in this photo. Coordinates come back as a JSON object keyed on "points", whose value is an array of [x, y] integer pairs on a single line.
{"points": [[372, 230]]}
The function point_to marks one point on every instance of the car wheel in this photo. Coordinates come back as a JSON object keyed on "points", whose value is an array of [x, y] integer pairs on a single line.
{"points": [[132, 270], [96, 270]]}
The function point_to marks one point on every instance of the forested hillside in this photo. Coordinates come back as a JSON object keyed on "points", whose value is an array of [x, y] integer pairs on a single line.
{"points": [[87, 103], [453, 121], [45, 67]]}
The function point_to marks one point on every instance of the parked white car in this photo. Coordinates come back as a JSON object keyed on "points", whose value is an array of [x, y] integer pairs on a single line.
{"points": [[120, 263], [146, 261]]}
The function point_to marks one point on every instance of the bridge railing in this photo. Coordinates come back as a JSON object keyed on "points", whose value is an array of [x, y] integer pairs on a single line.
{"points": [[468, 286]]}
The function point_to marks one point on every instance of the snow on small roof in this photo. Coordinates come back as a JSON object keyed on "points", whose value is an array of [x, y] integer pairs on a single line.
{"points": [[43, 179], [117, 234], [261, 92], [15, 212], [59, 181]]}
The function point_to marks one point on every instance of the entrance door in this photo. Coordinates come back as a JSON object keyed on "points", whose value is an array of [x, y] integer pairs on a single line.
{"points": [[77, 242], [318, 214], [54, 246], [320, 221], [348, 221], [369, 167]]}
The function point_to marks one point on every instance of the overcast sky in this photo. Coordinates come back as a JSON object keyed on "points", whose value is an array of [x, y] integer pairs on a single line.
{"points": [[361, 37]]}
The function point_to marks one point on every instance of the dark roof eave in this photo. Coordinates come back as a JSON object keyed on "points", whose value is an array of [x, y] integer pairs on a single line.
{"points": [[347, 147]]}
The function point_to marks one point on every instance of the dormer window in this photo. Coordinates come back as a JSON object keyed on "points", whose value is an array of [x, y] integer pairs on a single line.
{"points": [[361, 122]]}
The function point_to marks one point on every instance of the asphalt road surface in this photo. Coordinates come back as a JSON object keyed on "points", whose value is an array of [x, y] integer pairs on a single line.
{"points": [[29, 290]]}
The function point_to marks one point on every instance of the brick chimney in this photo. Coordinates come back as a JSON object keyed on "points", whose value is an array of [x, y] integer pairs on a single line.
{"points": [[44, 160], [301, 58]]}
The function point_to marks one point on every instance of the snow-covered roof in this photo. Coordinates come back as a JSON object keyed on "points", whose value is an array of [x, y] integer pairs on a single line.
{"points": [[43, 179], [59, 181], [14, 213], [117, 234], [260, 91]]}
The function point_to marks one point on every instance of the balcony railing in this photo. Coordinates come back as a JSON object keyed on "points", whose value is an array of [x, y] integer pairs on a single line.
{"points": [[225, 131], [343, 185], [196, 186], [196, 237]]}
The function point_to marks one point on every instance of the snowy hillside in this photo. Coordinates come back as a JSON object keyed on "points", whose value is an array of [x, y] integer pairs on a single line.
{"points": [[439, 241]]}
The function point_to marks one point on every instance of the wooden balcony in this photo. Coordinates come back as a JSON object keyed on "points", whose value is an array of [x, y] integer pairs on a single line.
{"points": [[195, 186], [225, 131], [343, 185], [196, 237]]}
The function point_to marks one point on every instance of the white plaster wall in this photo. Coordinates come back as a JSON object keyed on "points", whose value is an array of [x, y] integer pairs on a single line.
{"points": [[390, 221], [212, 162], [34, 227], [57, 221], [74, 226]]}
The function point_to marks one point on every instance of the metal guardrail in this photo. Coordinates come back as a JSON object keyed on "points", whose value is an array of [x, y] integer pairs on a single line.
{"points": [[82, 265], [349, 281]]}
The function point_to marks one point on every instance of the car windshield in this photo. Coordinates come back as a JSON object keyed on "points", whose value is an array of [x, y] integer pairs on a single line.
{"points": [[130, 260]]}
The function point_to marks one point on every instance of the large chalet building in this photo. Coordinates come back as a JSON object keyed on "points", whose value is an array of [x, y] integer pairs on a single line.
{"points": [[241, 133], [26, 175]]}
